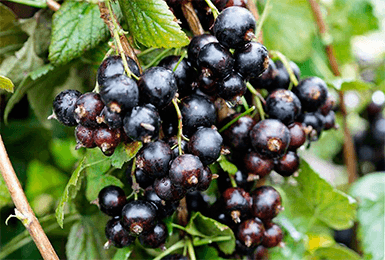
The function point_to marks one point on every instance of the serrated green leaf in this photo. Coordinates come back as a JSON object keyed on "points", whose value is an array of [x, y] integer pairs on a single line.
{"points": [[84, 242], [6, 84], [202, 226], [123, 253], [97, 162], [124, 153], [5, 197], [336, 252], [76, 28], [331, 206], [370, 192], [95, 184], [152, 23], [227, 166], [293, 249]]}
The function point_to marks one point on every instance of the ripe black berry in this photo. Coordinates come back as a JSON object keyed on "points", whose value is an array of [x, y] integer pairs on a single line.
{"points": [[167, 191], [107, 139], [232, 87], [312, 92], [316, 120], [250, 232], [266, 203], [156, 237], [236, 203], [237, 135], [112, 200], [154, 158], [157, 86], [297, 136], [330, 120], [257, 165], [287, 164], [113, 66], [272, 236], [142, 124], [139, 217], [111, 119], [141, 177], [120, 93], [215, 60], [116, 234], [284, 105], [186, 171], [163, 208], [282, 78], [205, 179], [88, 106], [328, 105], [267, 78], [234, 27], [208, 84], [270, 138], [84, 137], [173, 143], [196, 44], [64, 106]]}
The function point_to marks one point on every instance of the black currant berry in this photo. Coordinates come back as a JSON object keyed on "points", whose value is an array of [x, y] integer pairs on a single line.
{"points": [[208, 84], [154, 158], [196, 202], [272, 236], [250, 232], [215, 60], [251, 60], [330, 120], [107, 139], [167, 191], [139, 217], [206, 143], [120, 94], [270, 138], [283, 105], [287, 164], [142, 124], [116, 234], [328, 105], [141, 177], [312, 92], [257, 166], [197, 111], [195, 46], [112, 200], [173, 143], [64, 107], [316, 120], [111, 119], [113, 66], [84, 137], [237, 203], [266, 203], [267, 78], [232, 87], [88, 106], [157, 86], [156, 237], [282, 78], [205, 180], [186, 171], [297, 136], [260, 253], [237, 135], [234, 27], [163, 208]]}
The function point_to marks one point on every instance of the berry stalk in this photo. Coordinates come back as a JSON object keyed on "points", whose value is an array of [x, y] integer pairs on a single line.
{"points": [[259, 99], [192, 18]]}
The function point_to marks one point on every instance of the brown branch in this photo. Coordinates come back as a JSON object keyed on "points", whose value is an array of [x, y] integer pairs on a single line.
{"points": [[192, 18], [53, 5], [349, 152], [23, 209], [252, 6]]}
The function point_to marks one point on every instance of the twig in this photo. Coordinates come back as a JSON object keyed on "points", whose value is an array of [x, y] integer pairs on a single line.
{"points": [[349, 152], [23, 209], [192, 18], [53, 5]]}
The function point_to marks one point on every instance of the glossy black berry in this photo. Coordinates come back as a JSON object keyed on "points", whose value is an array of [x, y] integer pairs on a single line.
{"points": [[312, 93], [142, 124], [167, 191], [206, 143], [173, 143], [107, 139], [197, 111], [139, 216], [84, 137], [330, 120], [156, 237], [163, 208], [64, 106], [215, 60], [88, 106], [316, 120], [208, 84], [267, 78], [116, 234], [237, 135], [257, 166], [287, 164], [154, 158], [112, 200], [329, 104], [232, 87], [120, 94], [283, 105], [186, 171], [270, 137], [141, 177], [196, 202], [157, 86], [251, 60], [196, 44], [205, 180], [234, 27], [113, 66], [237, 203], [111, 119], [266, 203], [250, 232], [272, 236], [282, 77], [297, 136]]}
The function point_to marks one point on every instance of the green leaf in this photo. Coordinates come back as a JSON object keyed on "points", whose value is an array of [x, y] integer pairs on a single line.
{"points": [[153, 24], [76, 28], [370, 193], [331, 206], [64, 153], [85, 242], [350, 84], [227, 166], [5, 197], [294, 249], [289, 28], [6, 83], [207, 252], [202, 226], [95, 184], [336, 252], [124, 153], [123, 253]]}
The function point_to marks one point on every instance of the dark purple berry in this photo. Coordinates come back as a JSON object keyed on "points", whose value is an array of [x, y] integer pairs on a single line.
{"points": [[157, 86], [156, 237], [88, 106], [205, 180], [84, 137], [107, 139], [141, 177], [112, 200], [111, 119], [297, 136], [142, 124], [330, 120], [113, 66], [287, 164], [257, 166], [167, 191], [260, 253], [237, 203], [139, 217], [251, 60], [163, 208], [283, 105], [208, 84], [237, 135], [316, 121], [154, 158], [272, 236], [215, 60], [328, 105], [196, 44], [186, 171], [270, 138], [234, 27], [266, 203], [64, 106], [250, 232], [312, 92], [232, 87], [116, 234]]}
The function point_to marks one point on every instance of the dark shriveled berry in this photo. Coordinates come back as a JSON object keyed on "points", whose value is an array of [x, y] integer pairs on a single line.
{"points": [[167, 191], [116, 234], [84, 137], [329, 104], [312, 93], [111, 119], [195, 46], [236, 203], [251, 60], [113, 66], [283, 105], [107, 139], [156, 237], [215, 60], [88, 106], [112, 200], [64, 106], [186, 171], [266, 203], [250, 232], [316, 120], [287, 164], [272, 236], [330, 120], [139, 217]]}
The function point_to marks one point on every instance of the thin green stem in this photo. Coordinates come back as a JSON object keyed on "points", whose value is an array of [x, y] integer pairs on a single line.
{"points": [[191, 249], [244, 103], [205, 241], [179, 61], [263, 18], [178, 226], [286, 63], [213, 8], [135, 184], [146, 51], [232, 180], [157, 58], [180, 125], [177, 245], [248, 111], [258, 98]]}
